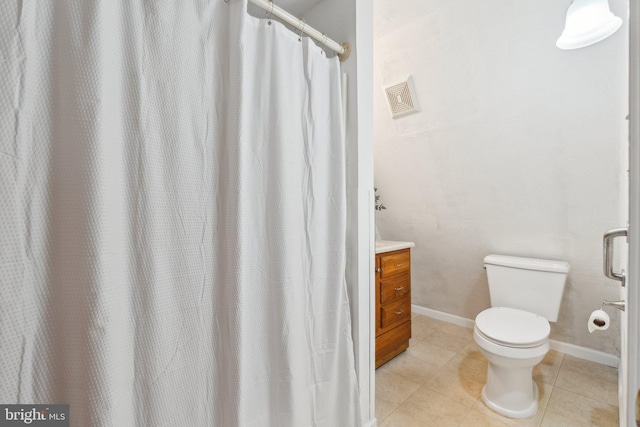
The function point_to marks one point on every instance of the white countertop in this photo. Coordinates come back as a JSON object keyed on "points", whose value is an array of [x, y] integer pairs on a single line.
{"points": [[388, 246]]}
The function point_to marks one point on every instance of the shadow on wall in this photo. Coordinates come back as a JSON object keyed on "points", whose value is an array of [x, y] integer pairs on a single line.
{"points": [[479, 292]]}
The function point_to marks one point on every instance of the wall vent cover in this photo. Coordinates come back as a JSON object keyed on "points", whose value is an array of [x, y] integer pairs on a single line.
{"points": [[402, 98]]}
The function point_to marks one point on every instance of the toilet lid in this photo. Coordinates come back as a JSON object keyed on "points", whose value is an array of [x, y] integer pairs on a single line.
{"points": [[513, 327]]}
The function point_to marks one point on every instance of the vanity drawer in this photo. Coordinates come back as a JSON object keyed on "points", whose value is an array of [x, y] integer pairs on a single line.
{"points": [[394, 288], [392, 343], [395, 263], [395, 312]]}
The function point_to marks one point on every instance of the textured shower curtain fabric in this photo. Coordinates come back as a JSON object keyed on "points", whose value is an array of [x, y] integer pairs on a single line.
{"points": [[172, 217]]}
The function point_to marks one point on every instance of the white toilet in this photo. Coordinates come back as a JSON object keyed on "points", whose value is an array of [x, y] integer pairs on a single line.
{"points": [[514, 333]]}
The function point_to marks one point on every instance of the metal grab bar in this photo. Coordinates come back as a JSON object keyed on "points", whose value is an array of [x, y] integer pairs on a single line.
{"points": [[608, 254]]}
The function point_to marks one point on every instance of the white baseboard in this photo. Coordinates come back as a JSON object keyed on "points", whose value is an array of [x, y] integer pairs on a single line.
{"points": [[566, 348], [585, 353], [441, 315]]}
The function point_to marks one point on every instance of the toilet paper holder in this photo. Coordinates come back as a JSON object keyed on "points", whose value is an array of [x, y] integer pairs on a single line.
{"points": [[620, 305]]}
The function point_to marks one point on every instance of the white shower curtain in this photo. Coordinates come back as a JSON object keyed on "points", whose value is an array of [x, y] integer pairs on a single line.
{"points": [[172, 217]]}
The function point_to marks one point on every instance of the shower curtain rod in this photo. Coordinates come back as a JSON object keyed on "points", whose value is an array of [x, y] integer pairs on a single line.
{"points": [[343, 50]]}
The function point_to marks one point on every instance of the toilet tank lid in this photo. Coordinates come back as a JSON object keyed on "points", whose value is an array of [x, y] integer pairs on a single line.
{"points": [[528, 263]]}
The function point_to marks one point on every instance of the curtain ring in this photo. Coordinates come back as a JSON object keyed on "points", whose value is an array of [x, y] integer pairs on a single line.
{"points": [[302, 30], [270, 12], [324, 41]]}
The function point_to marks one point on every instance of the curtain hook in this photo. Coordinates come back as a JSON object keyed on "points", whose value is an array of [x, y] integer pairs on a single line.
{"points": [[270, 12], [302, 30]]}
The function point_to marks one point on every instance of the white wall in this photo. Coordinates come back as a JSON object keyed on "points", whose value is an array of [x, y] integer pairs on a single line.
{"points": [[517, 149]]}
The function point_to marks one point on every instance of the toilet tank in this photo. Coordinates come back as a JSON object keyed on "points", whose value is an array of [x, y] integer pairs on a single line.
{"points": [[530, 284]]}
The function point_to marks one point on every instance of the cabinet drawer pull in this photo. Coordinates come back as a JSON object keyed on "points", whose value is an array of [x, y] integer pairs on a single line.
{"points": [[399, 312], [398, 265], [398, 289], [378, 270]]}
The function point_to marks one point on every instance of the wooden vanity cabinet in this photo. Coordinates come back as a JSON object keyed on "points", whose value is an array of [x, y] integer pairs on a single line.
{"points": [[393, 304]]}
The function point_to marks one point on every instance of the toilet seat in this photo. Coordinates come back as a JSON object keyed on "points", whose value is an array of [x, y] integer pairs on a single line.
{"points": [[513, 328]]}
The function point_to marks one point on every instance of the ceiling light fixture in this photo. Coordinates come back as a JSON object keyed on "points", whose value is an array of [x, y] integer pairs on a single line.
{"points": [[588, 22]]}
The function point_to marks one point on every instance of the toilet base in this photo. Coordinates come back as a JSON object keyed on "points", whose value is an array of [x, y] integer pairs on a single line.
{"points": [[510, 389], [523, 413]]}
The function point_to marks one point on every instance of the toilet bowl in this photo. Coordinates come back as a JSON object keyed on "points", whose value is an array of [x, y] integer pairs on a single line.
{"points": [[513, 341], [513, 335]]}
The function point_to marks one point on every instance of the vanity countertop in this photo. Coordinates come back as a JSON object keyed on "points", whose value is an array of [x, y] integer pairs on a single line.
{"points": [[388, 246]]}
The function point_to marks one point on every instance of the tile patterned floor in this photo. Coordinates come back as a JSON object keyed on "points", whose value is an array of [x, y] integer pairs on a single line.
{"points": [[437, 383]]}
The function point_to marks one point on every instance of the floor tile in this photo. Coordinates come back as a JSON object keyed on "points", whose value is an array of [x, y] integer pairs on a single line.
{"points": [[472, 350], [447, 341], [412, 368], [551, 419], [430, 322], [400, 419], [430, 353], [547, 370], [589, 379], [392, 387], [451, 384], [384, 408], [582, 409], [459, 331], [422, 329], [433, 409], [468, 367], [477, 419], [596, 370], [588, 386], [544, 394], [414, 341]]}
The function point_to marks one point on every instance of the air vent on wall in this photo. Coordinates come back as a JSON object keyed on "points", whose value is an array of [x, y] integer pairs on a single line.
{"points": [[402, 98]]}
